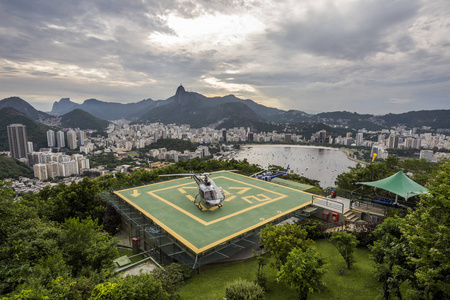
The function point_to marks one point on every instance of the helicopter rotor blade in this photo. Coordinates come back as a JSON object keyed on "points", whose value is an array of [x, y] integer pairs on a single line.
{"points": [[167, 175], [257, 173]]}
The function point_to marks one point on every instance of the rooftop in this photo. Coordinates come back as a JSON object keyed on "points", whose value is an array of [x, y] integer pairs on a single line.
{"points": [[250, 203]]}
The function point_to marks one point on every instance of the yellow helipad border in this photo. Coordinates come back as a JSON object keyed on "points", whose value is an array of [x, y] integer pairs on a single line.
{"points": [[224, 239]]}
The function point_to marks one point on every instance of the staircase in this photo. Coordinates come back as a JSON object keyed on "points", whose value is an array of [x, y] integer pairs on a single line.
{"points": [[352, 215]]}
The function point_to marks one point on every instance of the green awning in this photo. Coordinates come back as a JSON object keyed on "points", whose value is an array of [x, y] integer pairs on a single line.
{"points": [[399, 184]]}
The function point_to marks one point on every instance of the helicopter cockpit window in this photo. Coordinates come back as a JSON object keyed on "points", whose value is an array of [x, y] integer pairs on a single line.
{"points": [[209, 195]]}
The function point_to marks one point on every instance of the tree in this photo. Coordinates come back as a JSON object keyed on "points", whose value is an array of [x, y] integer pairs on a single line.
{"points": [[142, 287], [241, 289], [63, 201], [172, 276], [262, 259], [280, 240], [389, 253], [111, 220], [86, 247], [346, 244], [416, 249], [427, 233], [303, 271]]}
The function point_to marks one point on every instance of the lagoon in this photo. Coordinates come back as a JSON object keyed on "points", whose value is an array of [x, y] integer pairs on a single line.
{"points": [[319, 163]]}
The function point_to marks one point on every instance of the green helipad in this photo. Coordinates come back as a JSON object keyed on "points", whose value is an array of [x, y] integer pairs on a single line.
{"points": [[250, 203]]}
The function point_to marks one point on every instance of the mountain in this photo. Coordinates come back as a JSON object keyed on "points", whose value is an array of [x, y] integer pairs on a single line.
{"points": [[105, 110], [352, 120], [79, 118], [433, 118], [63, 106], [36, 132], [198, 111], [21, 105]]}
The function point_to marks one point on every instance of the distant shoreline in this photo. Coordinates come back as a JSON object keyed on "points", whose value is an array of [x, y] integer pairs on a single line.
{"points": [[305, 146], [286, 145]]}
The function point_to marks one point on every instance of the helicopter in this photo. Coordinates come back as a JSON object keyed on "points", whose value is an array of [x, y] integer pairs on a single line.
{"points": [[267, 175], [209, 195]]}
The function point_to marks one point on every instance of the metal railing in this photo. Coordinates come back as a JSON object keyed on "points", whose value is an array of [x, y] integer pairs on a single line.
{"points": [[328, 202]]}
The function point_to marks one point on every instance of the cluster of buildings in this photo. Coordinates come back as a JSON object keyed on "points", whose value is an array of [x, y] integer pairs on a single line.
{"points": [[163, 154], [398, 138], [123, 137], [52, 165], [45, 163], [75, 138]]}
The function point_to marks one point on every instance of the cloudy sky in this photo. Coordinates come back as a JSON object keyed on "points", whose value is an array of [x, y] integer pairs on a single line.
{"points": [[374, 56]]}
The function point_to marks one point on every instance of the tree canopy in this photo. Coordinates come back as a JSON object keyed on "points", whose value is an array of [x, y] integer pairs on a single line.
{"points": [[303, 271], [416, 249], [280, 240]]}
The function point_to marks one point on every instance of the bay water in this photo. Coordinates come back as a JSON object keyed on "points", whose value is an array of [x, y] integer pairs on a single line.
{"points": [[319, 163]]}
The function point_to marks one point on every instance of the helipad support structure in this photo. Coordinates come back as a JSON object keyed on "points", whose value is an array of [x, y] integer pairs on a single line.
{"points": [[176, 226]]}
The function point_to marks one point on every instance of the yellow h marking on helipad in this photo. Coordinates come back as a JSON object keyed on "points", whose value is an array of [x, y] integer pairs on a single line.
{"points": [[242, 189], [230, 198]]}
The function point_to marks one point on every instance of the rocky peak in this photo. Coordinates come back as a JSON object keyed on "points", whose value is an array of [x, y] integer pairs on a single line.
{"points": [[179, 94]]}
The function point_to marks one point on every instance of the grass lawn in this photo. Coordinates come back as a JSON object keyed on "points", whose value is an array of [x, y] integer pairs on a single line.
{"points": [[358, 283]]}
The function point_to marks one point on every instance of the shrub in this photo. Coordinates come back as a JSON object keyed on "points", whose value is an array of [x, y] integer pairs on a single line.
{"points": [[315, 229], [241, 289], [173, 276], [363, 233]]}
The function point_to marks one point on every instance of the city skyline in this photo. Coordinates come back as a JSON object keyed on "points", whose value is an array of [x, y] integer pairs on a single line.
{"points": [[366, 56]]}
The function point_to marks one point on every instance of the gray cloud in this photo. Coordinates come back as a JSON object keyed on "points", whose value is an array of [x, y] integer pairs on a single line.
{"points": [[355, 33], [334, 56]]}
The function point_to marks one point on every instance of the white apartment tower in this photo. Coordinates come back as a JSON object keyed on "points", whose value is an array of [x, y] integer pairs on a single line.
{"points": [[359, 138], [51, 138], [60, 142], [81, 135], [71, 139]]}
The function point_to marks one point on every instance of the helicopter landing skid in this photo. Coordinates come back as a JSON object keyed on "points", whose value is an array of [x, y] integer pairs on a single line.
{"points": [[198, 204]]}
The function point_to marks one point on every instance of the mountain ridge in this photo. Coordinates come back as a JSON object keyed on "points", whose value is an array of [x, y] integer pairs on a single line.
{"points": [[196, 109]]}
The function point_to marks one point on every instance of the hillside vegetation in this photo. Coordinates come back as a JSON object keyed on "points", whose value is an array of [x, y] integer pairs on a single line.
{"points": [[78, 118], [12, 168], [36, 132]]}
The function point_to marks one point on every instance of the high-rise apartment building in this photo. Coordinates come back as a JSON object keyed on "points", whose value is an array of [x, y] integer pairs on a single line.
{"points": [[30, 147], [60, 142], [359, 138], [40, 171], [392, 142], [71, 139], [427, 154], [51, 138], [322, 136], [17, 138], [81, 135]]}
